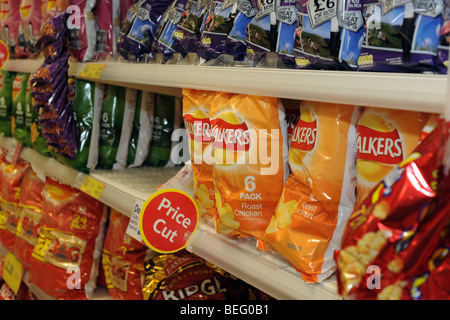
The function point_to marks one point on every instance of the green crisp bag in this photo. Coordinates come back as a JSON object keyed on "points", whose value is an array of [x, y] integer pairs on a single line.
{"points": [[37, 141], [161, 144], [6, 84], [87, 101], [142, 129], [19, 102], [111, 125]]}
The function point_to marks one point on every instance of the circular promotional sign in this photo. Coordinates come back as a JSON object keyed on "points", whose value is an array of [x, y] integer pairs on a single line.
{"points": [[4, 54], [167, 220]]}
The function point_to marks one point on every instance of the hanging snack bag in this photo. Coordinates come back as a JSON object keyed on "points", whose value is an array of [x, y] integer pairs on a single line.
{"points": [[142, 129], [111, 125], [401, 36], [127, 129], [30, 205], [83, 39], [218, 23], [86, 107], [286, 15], [262, 32], [444, 41], [319, 195], [125, 6], [70, 243], [20, 86], [10, 26], [107, 16], [236, 43], [123, 260], [186, 37], [164, 118], [6, 89], [385, 137], [247, 129], [12, 177], [137, 34], [196, 107], [29, 28], [163, 44], [317, 35]]}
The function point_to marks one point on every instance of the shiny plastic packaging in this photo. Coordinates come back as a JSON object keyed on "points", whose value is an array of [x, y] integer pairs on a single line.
{"points": [[391, 236], [319, 194]]}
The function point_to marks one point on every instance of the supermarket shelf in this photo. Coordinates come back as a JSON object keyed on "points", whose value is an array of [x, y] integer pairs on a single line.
{"points": [[268, 272], [418, 92]]}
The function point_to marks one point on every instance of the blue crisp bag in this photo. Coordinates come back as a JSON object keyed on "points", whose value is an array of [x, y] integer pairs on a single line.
{"points": [[401, 36], [236, 42]]}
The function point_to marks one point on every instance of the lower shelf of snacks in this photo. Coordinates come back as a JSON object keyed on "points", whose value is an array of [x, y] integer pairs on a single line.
{"points": [[123, 189]]}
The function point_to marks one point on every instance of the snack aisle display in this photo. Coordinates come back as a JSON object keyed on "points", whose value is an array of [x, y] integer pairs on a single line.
{"points": [[286, 166]]}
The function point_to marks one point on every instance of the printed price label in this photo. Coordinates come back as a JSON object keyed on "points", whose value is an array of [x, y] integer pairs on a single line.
{"points": [[133, 224], [167, 220], [320, 11], [4, 54], [92, 187], [92, 71], [12, 272]]}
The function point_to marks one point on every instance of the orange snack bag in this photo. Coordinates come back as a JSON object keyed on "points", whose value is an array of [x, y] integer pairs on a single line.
{"points": [[250, 161], [385, 137], [318, 196], [196, 106]]}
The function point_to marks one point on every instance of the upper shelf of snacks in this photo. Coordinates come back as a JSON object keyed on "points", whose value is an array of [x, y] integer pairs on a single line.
{"points": [[286, 49]]}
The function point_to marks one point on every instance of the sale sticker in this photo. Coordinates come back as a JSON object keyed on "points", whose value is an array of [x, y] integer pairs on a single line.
{"points": [[4, 54], [167, 220]]}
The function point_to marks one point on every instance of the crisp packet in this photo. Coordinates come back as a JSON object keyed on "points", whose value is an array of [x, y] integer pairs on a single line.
{"points": [[395, 226]]}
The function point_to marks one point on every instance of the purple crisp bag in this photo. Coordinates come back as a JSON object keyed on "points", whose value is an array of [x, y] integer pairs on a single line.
{"points": [[217, 25], [136, 37]]}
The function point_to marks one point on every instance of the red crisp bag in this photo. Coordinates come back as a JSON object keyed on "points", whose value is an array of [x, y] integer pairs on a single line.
{"points": [[30, 206], [107, 15], [10, 25], [11, 180], [123, 260], [66, 259], [392, 231], [29, 28]]}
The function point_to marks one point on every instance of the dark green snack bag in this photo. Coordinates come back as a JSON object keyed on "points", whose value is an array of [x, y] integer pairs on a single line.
{"points": [[142, 129], [83, 95], [6, 84], [161, 143], [19, 101], [111, 125]]}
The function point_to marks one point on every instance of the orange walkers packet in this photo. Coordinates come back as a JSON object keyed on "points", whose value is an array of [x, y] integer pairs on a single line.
{"points": [[319, 194], [196, 106], [250, 161], [385, 137]]}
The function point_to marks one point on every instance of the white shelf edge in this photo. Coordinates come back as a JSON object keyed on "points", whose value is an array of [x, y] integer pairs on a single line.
{"points": [[404, 91]]}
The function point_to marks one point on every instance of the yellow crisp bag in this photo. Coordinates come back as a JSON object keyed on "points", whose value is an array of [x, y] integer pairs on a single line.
{"points": [[385, 137], [250, 161], [196, 108], [319, 194]]}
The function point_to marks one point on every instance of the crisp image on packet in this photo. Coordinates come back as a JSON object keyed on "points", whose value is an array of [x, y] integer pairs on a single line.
{"points": [[250, 153], [319, 194], [385, 137], [196, 107]]}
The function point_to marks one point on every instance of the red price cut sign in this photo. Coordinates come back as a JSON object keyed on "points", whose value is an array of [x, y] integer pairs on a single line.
{"points": [[4, 54], [167, 220]]}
